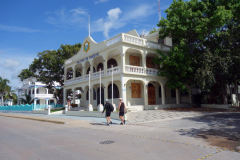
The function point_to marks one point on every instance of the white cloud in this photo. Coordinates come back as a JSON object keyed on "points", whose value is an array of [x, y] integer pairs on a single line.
{"points": [[10, 68], [144, 31], [100, 1], [17, 29], [114, 21], [63, 17], [11, 64]]}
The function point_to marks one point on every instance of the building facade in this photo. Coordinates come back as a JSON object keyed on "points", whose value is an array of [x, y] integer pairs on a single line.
{"points": [[127, 60], [38, 92]]}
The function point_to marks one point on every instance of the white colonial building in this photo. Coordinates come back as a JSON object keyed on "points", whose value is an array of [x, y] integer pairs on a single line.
{"points": [[130, 58], [38, 92]]}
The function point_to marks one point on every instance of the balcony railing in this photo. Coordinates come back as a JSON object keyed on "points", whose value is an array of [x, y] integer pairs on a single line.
{"points": [[44, 95], [134, 69], [154, 45], [113, 40], [96, 75], [70, 81], [115, 70], [86, 77], [151, 71], [78, 79], [134, 40]]}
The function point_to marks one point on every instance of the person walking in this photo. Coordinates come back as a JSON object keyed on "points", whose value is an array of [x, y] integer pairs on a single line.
{"points": [[122, 110], [107, 107]]}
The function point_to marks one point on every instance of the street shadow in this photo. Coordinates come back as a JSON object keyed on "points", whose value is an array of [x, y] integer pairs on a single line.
{"points": [[221, 128]]}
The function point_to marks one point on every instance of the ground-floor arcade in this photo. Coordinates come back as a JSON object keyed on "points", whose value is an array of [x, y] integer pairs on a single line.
{"points": [[137, 92]]}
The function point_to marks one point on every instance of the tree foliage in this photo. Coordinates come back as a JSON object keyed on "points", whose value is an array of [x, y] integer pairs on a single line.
{"points": [[48, 67], [4, 87], [206, 42]]}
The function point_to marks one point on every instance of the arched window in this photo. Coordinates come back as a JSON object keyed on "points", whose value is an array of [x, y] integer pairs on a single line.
{"points": [[111, 62], [94, 94], [87, 96], [88, 70], [100, 66], [78, 73], [69, 74], [115, 91]]}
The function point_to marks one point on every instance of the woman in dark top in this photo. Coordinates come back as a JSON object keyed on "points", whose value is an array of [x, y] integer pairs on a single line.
{"points": [[122, 109], [108, 112]]}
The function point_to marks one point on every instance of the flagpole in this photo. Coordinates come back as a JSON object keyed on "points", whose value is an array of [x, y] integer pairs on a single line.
{"points": [[100, 87], [89, 90], [112, 84]]}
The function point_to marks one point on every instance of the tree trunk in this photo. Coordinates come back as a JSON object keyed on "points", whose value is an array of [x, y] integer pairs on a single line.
{"points": [[236, 92]]}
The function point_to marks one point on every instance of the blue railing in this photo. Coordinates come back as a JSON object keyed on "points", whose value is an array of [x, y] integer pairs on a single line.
{"points": [[17, 107], [29, 107]]}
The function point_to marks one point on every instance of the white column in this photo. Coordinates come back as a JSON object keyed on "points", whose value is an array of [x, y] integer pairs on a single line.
{"points": [[122, 62], [177, 96], [123, 90], [145, 92], [35, 101], [46, 90], [163, 94], [31, 93], [46, 103], [112, 84]]}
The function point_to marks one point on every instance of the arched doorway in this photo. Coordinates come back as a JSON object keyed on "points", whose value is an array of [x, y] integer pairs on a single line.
{"points": [[111, 62], [100, 66], [102, 96], [115, 91], [151, 95]]}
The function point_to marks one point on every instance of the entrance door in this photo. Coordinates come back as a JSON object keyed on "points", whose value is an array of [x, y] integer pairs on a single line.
{"points": [[151, 95], [102, 96]]}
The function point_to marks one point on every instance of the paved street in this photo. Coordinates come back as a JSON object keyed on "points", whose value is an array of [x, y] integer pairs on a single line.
{"points": [[191, 137]]}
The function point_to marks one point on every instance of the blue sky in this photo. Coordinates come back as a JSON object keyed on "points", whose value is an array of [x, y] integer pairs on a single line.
{"points": [[31, 26]]}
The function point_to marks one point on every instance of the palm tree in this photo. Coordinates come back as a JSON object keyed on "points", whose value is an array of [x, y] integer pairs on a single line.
{"points": [[4, 88], [28, 99], [11, 95]]}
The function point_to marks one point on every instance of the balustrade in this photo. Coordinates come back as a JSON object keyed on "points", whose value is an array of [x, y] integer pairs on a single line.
{"points": [[153, 45], [78, 79], [115, 70], [134, 40], [113, 40], [96, 75], [151, 71], [134, 69]]}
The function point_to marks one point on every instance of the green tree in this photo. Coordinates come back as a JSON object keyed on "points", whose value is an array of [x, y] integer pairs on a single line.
{"points": [[4, 88], [196, 28], [48, 67], [27, 100], [11, 95], [26, 73]]}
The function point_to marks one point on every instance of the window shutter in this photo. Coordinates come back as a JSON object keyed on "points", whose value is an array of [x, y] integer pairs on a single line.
{"points": [[139, 91], [131, 58], [134, 60], [150, 63]]}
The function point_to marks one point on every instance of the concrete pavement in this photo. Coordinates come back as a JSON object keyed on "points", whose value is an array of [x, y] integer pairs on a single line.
{"points": [[168, 139]]}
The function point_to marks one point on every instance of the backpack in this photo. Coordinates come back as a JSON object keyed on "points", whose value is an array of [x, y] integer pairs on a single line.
{"points": [[111, 107]]}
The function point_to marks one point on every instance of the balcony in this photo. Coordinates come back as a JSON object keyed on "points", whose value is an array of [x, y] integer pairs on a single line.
{"points": [[44, 96], [134, 69], [136, 41], [114, 70], [151, 71], [96, 75]]}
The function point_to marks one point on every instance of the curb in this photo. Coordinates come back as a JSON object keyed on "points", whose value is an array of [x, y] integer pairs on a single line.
{"points": [[36, 119]]}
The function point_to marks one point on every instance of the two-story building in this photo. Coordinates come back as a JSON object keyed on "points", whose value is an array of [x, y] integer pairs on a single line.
{"points": [[129, 57], [38, 92]]}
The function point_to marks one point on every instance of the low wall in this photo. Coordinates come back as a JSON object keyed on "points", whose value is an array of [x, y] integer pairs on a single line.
{"points": [[40, 112], [114, 115], [219, 106], [165, 106]]}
